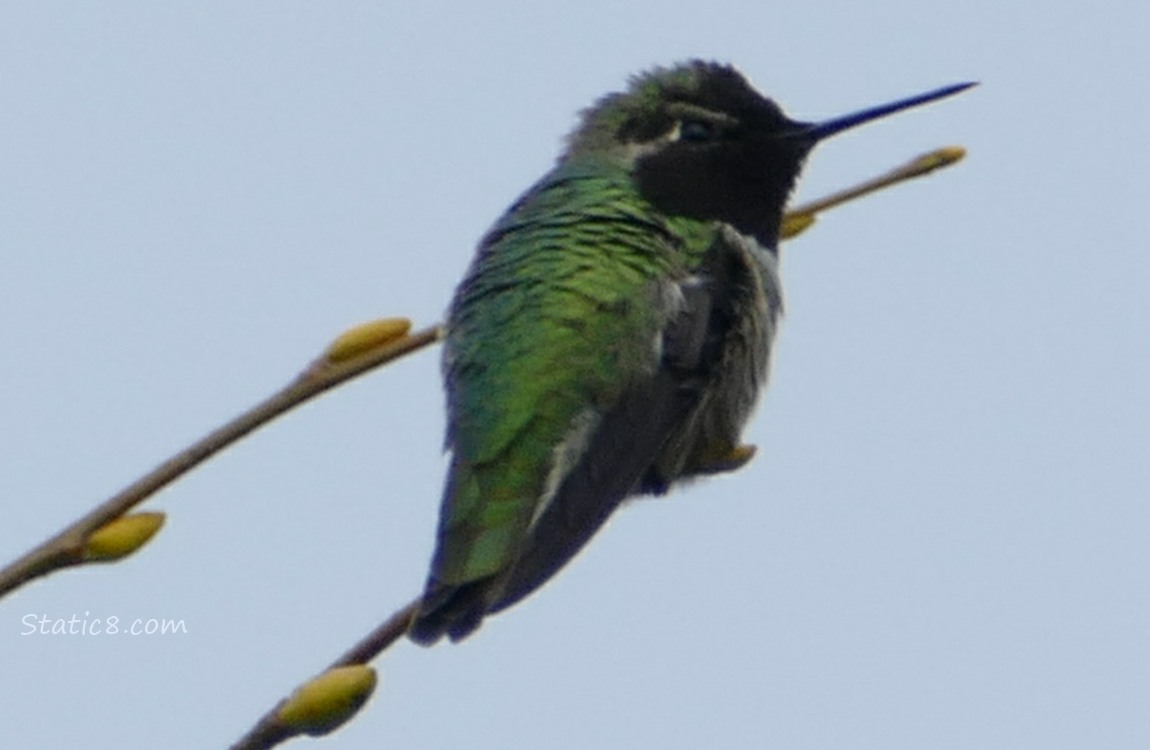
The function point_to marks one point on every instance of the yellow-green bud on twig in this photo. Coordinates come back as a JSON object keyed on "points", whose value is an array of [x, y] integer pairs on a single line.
{"points": [[942, 157], [795, 223], [121, 537], [366, 337], [323, 703]]}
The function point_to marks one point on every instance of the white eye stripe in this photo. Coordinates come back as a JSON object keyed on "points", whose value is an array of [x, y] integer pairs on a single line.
{"points": [[692, 125], [698, 125]]}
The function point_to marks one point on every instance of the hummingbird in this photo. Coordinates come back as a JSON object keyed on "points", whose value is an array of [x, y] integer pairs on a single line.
{"points": [[614, 330]]}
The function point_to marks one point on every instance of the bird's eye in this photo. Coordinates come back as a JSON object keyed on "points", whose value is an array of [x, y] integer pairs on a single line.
{"points": [[697, 131]]}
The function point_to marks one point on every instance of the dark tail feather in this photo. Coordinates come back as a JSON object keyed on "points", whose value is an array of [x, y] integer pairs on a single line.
{"points": [[454, 611]]}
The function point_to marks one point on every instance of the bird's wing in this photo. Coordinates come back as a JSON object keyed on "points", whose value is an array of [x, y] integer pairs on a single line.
{"points": [[559, 317], [625, 444]]}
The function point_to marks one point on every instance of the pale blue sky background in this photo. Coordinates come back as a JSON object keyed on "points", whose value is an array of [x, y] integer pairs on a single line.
{"points": [[943, 543]]}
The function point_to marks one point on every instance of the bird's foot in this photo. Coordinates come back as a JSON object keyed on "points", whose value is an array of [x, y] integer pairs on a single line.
{"points": [[732, 459]]}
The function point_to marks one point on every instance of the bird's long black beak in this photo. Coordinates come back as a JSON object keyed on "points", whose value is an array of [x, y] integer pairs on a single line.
{"points": [[814, 132]]}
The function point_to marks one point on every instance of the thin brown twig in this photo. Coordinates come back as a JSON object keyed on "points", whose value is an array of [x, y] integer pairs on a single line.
{"points": [[917, 167], [66, 548]]}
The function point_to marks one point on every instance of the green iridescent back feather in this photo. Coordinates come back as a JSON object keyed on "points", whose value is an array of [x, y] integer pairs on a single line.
{"points": [[555, 317]]}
